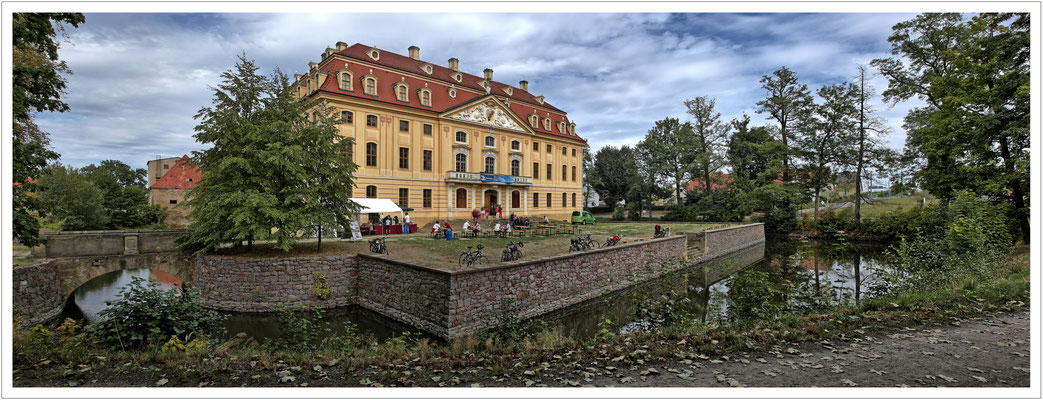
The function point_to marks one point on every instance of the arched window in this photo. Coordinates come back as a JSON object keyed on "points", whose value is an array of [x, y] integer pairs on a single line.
{"points": [[461, 137], [563, 198], [573, 199], [564, 170], [371, 192], [371, 86], [345, 81], [490, 141], [371, 154], [461, 198], [515, 145], [573, 173], [403, 92], [461, 163], [490, 165], [515, 167], [425, 98]]}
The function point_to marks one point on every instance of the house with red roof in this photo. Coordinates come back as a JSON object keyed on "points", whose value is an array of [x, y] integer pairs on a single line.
{"points": [[444, 142], [169, 190]]}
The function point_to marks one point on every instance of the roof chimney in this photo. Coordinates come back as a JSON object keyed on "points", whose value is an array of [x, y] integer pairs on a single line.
{"points": [[488, 74], [341, 46], [414, 52], [524, 85], [454, 64]]}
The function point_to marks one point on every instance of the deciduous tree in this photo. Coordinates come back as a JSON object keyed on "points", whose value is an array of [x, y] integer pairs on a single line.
{"points": [[787, 102], [709, 135]]}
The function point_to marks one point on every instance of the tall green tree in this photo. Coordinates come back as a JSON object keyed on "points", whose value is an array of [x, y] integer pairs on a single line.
{"points": [[588, 166], [644, 187], [613, 173], [669, 145], [824, 135], [973, 75], [70, 197], [37, 85], [870, 128], [272, 170], [125, 194], [709, 135], [787, 102]]}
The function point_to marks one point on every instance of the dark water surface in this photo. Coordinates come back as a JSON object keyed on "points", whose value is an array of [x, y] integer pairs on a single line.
{"points": [[786, 273]]}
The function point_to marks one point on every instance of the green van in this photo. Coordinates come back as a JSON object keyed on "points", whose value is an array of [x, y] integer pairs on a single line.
{"points": [[583, 217]]}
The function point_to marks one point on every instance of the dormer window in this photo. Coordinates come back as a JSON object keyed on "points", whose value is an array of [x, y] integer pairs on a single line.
{"points": [[546, 123], [345, 80], [452, 92], [369, 84], [428, 68], [539, 99], [374, 54], [534, 121], [402, 91], [572, 129], [458, 77], [425, 97], [509, 90]]}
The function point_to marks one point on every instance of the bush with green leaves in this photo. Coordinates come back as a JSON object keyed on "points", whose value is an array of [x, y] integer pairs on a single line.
{"points": [[509, 326], [145, 313]]}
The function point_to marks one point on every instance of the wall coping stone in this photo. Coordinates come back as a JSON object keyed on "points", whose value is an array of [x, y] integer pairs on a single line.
{"points": [[727, 228]]}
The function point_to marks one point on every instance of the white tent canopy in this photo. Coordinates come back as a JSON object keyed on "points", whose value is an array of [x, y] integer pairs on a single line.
{"points": [[379, 206]]}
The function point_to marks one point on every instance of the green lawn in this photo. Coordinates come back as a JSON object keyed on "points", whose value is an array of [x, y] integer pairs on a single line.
{"points": [[421, 247], [881, 206]]}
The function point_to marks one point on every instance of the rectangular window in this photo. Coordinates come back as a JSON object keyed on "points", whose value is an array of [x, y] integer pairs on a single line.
{"points": [[403, 197], [351, 151], [573, 152], [403, 157], [371, 154], [564, 151], [427, 198], [371, 192], [173, 201], [403, 126], [371, 121], [563, 203], [535, 146], [535, 170], [347, 117], [549, 200], [564, 171], [428, 128], [549, 148], [427, 160], [549, 176], [166, 166], [535, 200]]}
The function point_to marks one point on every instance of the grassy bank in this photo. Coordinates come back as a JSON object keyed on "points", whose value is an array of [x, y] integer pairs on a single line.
{"points": [[68, 358]]}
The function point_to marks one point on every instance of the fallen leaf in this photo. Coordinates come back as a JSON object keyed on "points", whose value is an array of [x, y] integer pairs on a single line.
{"points": [[162, 381]]}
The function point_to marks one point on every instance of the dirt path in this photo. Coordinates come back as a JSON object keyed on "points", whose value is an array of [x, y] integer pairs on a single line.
{"points": [[983, 351]]}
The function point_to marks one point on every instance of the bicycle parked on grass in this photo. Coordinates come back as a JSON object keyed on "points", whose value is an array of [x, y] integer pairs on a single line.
{"points": [[581, 244], [470, 257], [662, 233], [378, 246], [513, 252]]}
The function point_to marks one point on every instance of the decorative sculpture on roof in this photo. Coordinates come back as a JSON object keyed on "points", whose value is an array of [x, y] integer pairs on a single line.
{"points": [[487, 113]]}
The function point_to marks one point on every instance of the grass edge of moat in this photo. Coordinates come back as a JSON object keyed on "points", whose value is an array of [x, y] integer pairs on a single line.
{"points": [[394, 362]]}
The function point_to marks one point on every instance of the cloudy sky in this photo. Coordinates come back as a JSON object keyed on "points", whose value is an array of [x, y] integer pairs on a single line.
{"points": [[138, 79]]}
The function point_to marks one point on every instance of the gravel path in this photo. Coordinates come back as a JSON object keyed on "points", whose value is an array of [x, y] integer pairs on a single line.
{"points": [[984, 351]]}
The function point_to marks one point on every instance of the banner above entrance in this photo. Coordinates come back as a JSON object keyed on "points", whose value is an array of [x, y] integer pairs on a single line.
{"points": [[497, 178]]}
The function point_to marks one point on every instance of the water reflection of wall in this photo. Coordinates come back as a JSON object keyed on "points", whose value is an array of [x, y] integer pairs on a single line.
{"points": [[89, 299]]}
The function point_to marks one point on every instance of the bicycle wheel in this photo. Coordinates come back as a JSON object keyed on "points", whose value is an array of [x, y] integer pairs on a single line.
{"points": [[385, 250], [483, 260], [463, 259]]}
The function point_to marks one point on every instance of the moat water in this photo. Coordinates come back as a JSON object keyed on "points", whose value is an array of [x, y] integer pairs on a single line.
{"points": [[784, 274]]}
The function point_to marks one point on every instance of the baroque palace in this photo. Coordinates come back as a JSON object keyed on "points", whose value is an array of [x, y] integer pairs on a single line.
{"points": [[444, 142]]}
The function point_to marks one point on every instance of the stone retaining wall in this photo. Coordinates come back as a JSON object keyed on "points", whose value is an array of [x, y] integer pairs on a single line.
{"points": [[409, 293], [37, 295], [262, 284], [547, 284], [726, 240], [107, 243]]}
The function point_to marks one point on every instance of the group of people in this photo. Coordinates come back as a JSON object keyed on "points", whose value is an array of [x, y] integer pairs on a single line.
{"points": [[499, 229], [494, 210], [388, 220]]}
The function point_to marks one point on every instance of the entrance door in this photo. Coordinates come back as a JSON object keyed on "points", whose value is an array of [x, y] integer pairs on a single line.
{"points": [[515, 199], [490, 200]]}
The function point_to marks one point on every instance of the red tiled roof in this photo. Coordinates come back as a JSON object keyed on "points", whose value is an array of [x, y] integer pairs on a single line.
{"points": [[183, 175], [718, 181], [440, 81]]}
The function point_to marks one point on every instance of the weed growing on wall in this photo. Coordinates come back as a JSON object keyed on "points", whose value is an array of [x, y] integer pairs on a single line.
{"points": [[321, 287], [509, 326]]}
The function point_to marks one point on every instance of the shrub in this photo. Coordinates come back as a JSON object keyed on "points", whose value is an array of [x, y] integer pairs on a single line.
{"points": [[144, 314]]}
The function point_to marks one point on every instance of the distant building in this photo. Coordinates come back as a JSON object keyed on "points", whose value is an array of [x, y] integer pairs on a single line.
{"points": [[158, 167], [169, 191]]}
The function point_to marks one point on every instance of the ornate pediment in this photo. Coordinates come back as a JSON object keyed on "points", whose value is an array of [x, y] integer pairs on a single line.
{"points": [[488, 112]]}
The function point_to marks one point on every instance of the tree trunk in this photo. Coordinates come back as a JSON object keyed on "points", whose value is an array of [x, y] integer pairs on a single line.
{"points": [[861, 150], [816, 204], [318, 247], [706, 177], [250, 243], [1015, 189], [785, 145]]}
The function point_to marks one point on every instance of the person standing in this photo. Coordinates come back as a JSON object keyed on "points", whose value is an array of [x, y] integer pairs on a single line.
{"points": [[448, 231], [387, 224], [405, 223]]}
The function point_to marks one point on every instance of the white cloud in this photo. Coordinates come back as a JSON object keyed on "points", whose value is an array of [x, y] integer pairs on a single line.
{"points": [[140, 78]]}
